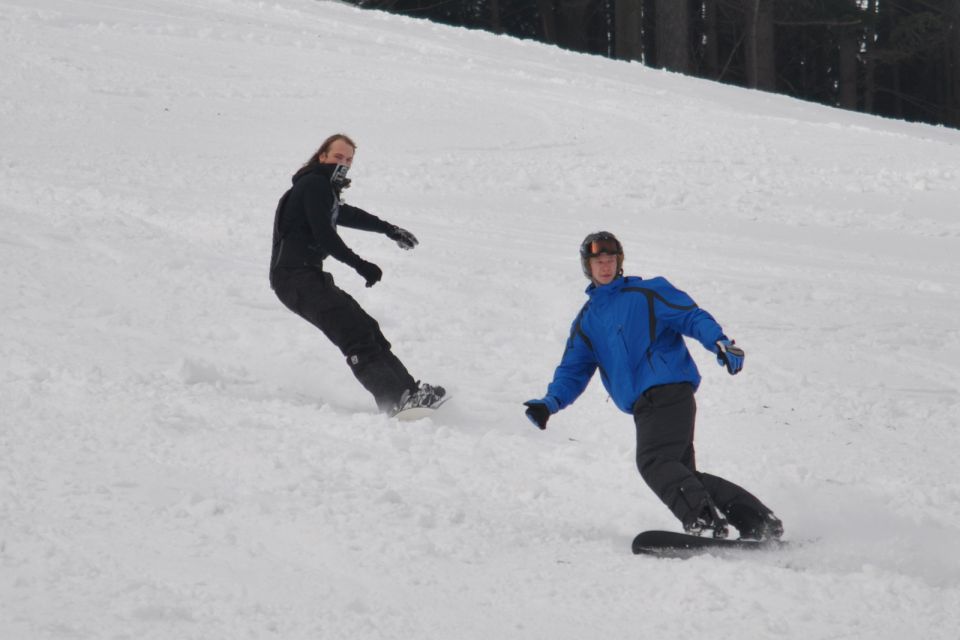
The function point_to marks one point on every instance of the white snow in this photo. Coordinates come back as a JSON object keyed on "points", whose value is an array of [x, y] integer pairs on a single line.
{"points": [[182, 457]]}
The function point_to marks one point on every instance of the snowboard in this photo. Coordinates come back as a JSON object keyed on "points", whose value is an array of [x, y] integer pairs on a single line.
{"points": [[672, 544], [416, 413]]}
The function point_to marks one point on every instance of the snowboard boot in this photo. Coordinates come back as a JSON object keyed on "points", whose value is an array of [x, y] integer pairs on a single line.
{"points": [[425, 395], [754, 524], [380, 374], [708, 519]]}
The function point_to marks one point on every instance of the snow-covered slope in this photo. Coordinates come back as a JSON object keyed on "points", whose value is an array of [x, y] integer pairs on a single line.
{"points": [[181, 457]]}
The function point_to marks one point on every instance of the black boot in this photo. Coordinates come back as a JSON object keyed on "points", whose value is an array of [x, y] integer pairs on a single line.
{"points": [[707, 518], [755, 524], [424, 395], [380, 377]]}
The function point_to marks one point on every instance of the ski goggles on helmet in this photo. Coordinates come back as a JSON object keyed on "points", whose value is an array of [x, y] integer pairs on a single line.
{"points": [[609, 246]]}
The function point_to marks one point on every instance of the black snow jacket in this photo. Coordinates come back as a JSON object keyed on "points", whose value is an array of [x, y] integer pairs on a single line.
{"points": [[305, 225]]}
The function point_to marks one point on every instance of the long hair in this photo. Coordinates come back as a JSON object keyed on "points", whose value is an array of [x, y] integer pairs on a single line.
{"points": [[325, 147]]}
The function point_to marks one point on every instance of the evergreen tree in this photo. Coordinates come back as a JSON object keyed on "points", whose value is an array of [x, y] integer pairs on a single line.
{"points": [[898, 58]]}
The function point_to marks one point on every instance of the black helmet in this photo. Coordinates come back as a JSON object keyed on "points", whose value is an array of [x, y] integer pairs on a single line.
{"points": [[596, 244]]}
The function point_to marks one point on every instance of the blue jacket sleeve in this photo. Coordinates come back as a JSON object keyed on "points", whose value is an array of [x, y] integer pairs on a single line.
{"points": [[678, 311], [574, 371]]}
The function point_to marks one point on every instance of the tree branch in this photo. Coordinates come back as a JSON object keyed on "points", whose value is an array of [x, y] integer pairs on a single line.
{"points": [[819, 23]]}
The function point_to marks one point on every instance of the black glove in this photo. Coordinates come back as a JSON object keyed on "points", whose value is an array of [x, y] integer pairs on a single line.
{"points": [[538, 413], [403, 238], [370, 272]]}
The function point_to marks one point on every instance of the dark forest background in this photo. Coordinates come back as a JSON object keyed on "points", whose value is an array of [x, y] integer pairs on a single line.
{"points": [[895, 58]]}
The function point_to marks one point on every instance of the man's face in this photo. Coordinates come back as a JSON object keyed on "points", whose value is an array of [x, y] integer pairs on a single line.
{"points": [[339, 153], [603, 268]]}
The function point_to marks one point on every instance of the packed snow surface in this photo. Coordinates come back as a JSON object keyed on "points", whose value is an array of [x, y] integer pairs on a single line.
{"points": [[182, 457]]}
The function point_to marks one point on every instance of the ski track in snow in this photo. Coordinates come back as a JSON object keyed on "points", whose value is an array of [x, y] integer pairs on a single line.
{"points": [[183, 458]]}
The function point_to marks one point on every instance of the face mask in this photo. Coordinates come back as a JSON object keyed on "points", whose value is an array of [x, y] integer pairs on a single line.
{"points": [[339, 177]]}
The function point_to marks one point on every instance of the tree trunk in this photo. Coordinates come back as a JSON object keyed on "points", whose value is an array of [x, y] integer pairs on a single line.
{"points": [[495, 23], [849, 46], [761, 53], [897, 96], [572, 30], [870, 64], [649, 22], [711, 53], [628, 25], [954, 80], [548, 20], [673, 39], [887, 102]]}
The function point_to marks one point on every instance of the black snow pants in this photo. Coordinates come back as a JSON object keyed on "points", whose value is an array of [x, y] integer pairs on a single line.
{"points": [[311, 293], [665, 417]]}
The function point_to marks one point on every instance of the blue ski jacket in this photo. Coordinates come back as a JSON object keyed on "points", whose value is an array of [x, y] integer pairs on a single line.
{"points": [[632, 331]]}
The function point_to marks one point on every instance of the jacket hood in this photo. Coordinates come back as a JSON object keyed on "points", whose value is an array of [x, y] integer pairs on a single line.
{"points": [[321, 169]]}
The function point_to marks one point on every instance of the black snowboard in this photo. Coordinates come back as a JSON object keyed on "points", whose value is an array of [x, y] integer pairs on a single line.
{"points": [[671, 544]]}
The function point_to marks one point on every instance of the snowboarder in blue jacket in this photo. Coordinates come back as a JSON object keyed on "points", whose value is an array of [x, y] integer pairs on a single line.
{"points": [[632, 331]]}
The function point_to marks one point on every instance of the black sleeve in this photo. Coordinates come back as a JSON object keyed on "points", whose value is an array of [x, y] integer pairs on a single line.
{"points": [[357, 218], [318, 203]]}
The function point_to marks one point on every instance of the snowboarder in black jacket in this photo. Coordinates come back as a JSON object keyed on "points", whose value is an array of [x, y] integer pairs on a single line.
{"points": [[304, 234]]}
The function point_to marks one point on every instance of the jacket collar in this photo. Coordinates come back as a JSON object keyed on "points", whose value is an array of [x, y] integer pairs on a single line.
{"points": [[602, 292]]}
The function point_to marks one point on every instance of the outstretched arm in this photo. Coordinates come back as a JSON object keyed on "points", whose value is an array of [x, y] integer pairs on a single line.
{"points": [[681, 312], [677, 310], [569, 379], [573, 373], [357, 218]]}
